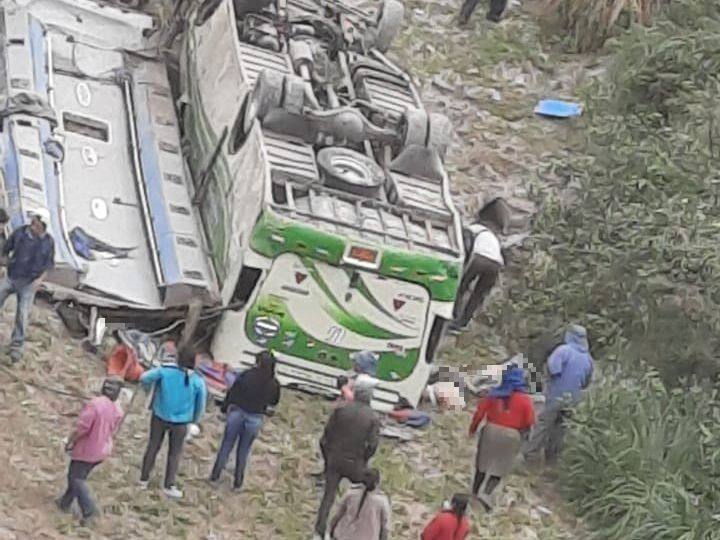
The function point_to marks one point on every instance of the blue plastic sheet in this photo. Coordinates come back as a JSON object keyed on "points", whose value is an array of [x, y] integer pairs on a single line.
{"points": [[558, 109]]}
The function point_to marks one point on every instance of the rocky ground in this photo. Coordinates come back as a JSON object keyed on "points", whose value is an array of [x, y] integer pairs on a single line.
{"points": [[487, 79]]}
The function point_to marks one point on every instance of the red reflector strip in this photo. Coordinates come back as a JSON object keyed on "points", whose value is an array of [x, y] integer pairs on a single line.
{"points": [[363, 254]]}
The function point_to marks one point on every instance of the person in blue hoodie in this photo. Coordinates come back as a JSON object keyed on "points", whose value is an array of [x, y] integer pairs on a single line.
{"points": [[569, 369], [179, 399]]}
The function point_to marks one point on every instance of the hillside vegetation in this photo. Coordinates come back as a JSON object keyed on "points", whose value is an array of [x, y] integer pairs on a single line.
{"points": [[629, 246]]}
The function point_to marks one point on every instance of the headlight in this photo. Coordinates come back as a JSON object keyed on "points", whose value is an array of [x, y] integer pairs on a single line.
{"points": [[266, 328]]}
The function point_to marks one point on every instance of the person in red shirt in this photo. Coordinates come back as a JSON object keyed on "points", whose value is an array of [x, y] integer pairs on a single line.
{"points": [[90, 444], [451, 523], [509, 414]]}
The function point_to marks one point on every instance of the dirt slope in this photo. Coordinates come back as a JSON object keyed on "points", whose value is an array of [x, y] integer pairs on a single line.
{"points": [[487, 79]]}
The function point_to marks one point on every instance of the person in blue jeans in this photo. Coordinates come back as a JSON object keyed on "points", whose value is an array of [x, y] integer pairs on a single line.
{"points": [[246, 404], [31, 253], [179, 398]]}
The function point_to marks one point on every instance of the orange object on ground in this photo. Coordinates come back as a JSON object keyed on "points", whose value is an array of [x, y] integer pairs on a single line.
{"points": [[123, 362]]}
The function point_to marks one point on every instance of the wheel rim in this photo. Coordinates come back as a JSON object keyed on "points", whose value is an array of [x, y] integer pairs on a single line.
{"points": [[352, 171]]}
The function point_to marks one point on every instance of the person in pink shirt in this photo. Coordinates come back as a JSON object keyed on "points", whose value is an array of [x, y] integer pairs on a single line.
{"points": [[89, 445]]}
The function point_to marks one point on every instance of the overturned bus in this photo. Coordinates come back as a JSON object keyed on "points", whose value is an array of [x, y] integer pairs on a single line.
{"points": [[328, 208], [300, 186]]}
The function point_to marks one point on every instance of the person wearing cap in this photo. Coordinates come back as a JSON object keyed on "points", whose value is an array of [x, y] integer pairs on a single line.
{"points": [[569, 371], [348, 442], [484, 261], [31, 252], [89, 445]]}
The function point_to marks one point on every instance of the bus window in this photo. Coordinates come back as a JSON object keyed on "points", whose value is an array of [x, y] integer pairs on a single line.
{"points": [[247, 280], [434, 339]]}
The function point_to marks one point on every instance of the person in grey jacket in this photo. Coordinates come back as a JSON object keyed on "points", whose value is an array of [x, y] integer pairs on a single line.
{"points": [[349, 441], [363, 514]]}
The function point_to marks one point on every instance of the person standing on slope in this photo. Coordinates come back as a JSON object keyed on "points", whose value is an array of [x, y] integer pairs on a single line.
{"points": [[510, 415], [246, 405], [179, 399], [349, 440], [569, 369]]}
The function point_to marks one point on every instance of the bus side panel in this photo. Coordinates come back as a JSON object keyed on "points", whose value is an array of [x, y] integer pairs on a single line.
{"points": [[214, 87]]}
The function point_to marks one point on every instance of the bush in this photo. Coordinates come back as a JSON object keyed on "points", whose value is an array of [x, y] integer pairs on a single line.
{"points": [[590, 23], [630, 247], [642, 462]]}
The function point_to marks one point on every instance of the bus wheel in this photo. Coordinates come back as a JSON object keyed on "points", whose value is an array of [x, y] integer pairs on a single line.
{"points": [[350, 171]]}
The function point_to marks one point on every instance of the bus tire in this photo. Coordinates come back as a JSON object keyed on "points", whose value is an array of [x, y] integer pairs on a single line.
{"points": [[389, 21], [268, 92], [350, 171]]}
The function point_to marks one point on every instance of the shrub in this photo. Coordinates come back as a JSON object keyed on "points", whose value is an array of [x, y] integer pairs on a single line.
{"points": [[591, 22], [630, 247], [642, 462]]}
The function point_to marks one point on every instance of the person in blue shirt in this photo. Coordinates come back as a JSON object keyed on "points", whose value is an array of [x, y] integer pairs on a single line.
{"points": [[31, 253], [569, 369], [179, 399]]}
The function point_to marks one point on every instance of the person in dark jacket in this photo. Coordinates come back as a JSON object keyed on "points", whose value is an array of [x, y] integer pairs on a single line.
{"points": [[32, 253], [246, 403], [349, 441], [494, 14]]}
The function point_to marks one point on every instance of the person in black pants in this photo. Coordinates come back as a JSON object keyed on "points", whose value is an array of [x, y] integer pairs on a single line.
{"points": [[246, 404], [494, 14], [349, 441], [179, 399]]}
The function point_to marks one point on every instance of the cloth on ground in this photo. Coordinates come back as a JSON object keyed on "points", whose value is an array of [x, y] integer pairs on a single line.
{"points": [[85, 244], [217, 374], [411, 417], [123, 362]]}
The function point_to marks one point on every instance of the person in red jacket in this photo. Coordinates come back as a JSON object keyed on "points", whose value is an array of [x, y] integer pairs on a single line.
{"points": [[450, 523], [509, 415]]}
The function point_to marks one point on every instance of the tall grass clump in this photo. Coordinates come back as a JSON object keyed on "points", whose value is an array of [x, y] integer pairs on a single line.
{"points": [[589, 23], [643, 462]]}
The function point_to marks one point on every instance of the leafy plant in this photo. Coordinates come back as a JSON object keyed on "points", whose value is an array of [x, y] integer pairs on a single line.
{"points": [[629, 246], [591, 22], [641, 461]]}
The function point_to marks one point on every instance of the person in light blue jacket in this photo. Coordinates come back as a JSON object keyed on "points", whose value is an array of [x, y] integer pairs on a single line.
{"points": [[179, 399]]}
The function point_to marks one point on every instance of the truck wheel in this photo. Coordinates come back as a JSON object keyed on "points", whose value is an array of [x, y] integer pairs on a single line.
{"points": [[389, 21], [347, 170], [268, 92], [440, 133], [415, 127]]}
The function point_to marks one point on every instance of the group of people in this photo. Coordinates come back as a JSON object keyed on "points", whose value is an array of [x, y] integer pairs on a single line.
{"points": [[351, 435], [348, 443]]}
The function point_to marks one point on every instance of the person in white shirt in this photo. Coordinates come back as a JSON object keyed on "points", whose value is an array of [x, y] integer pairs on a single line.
{"points": [[485, 261]]}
